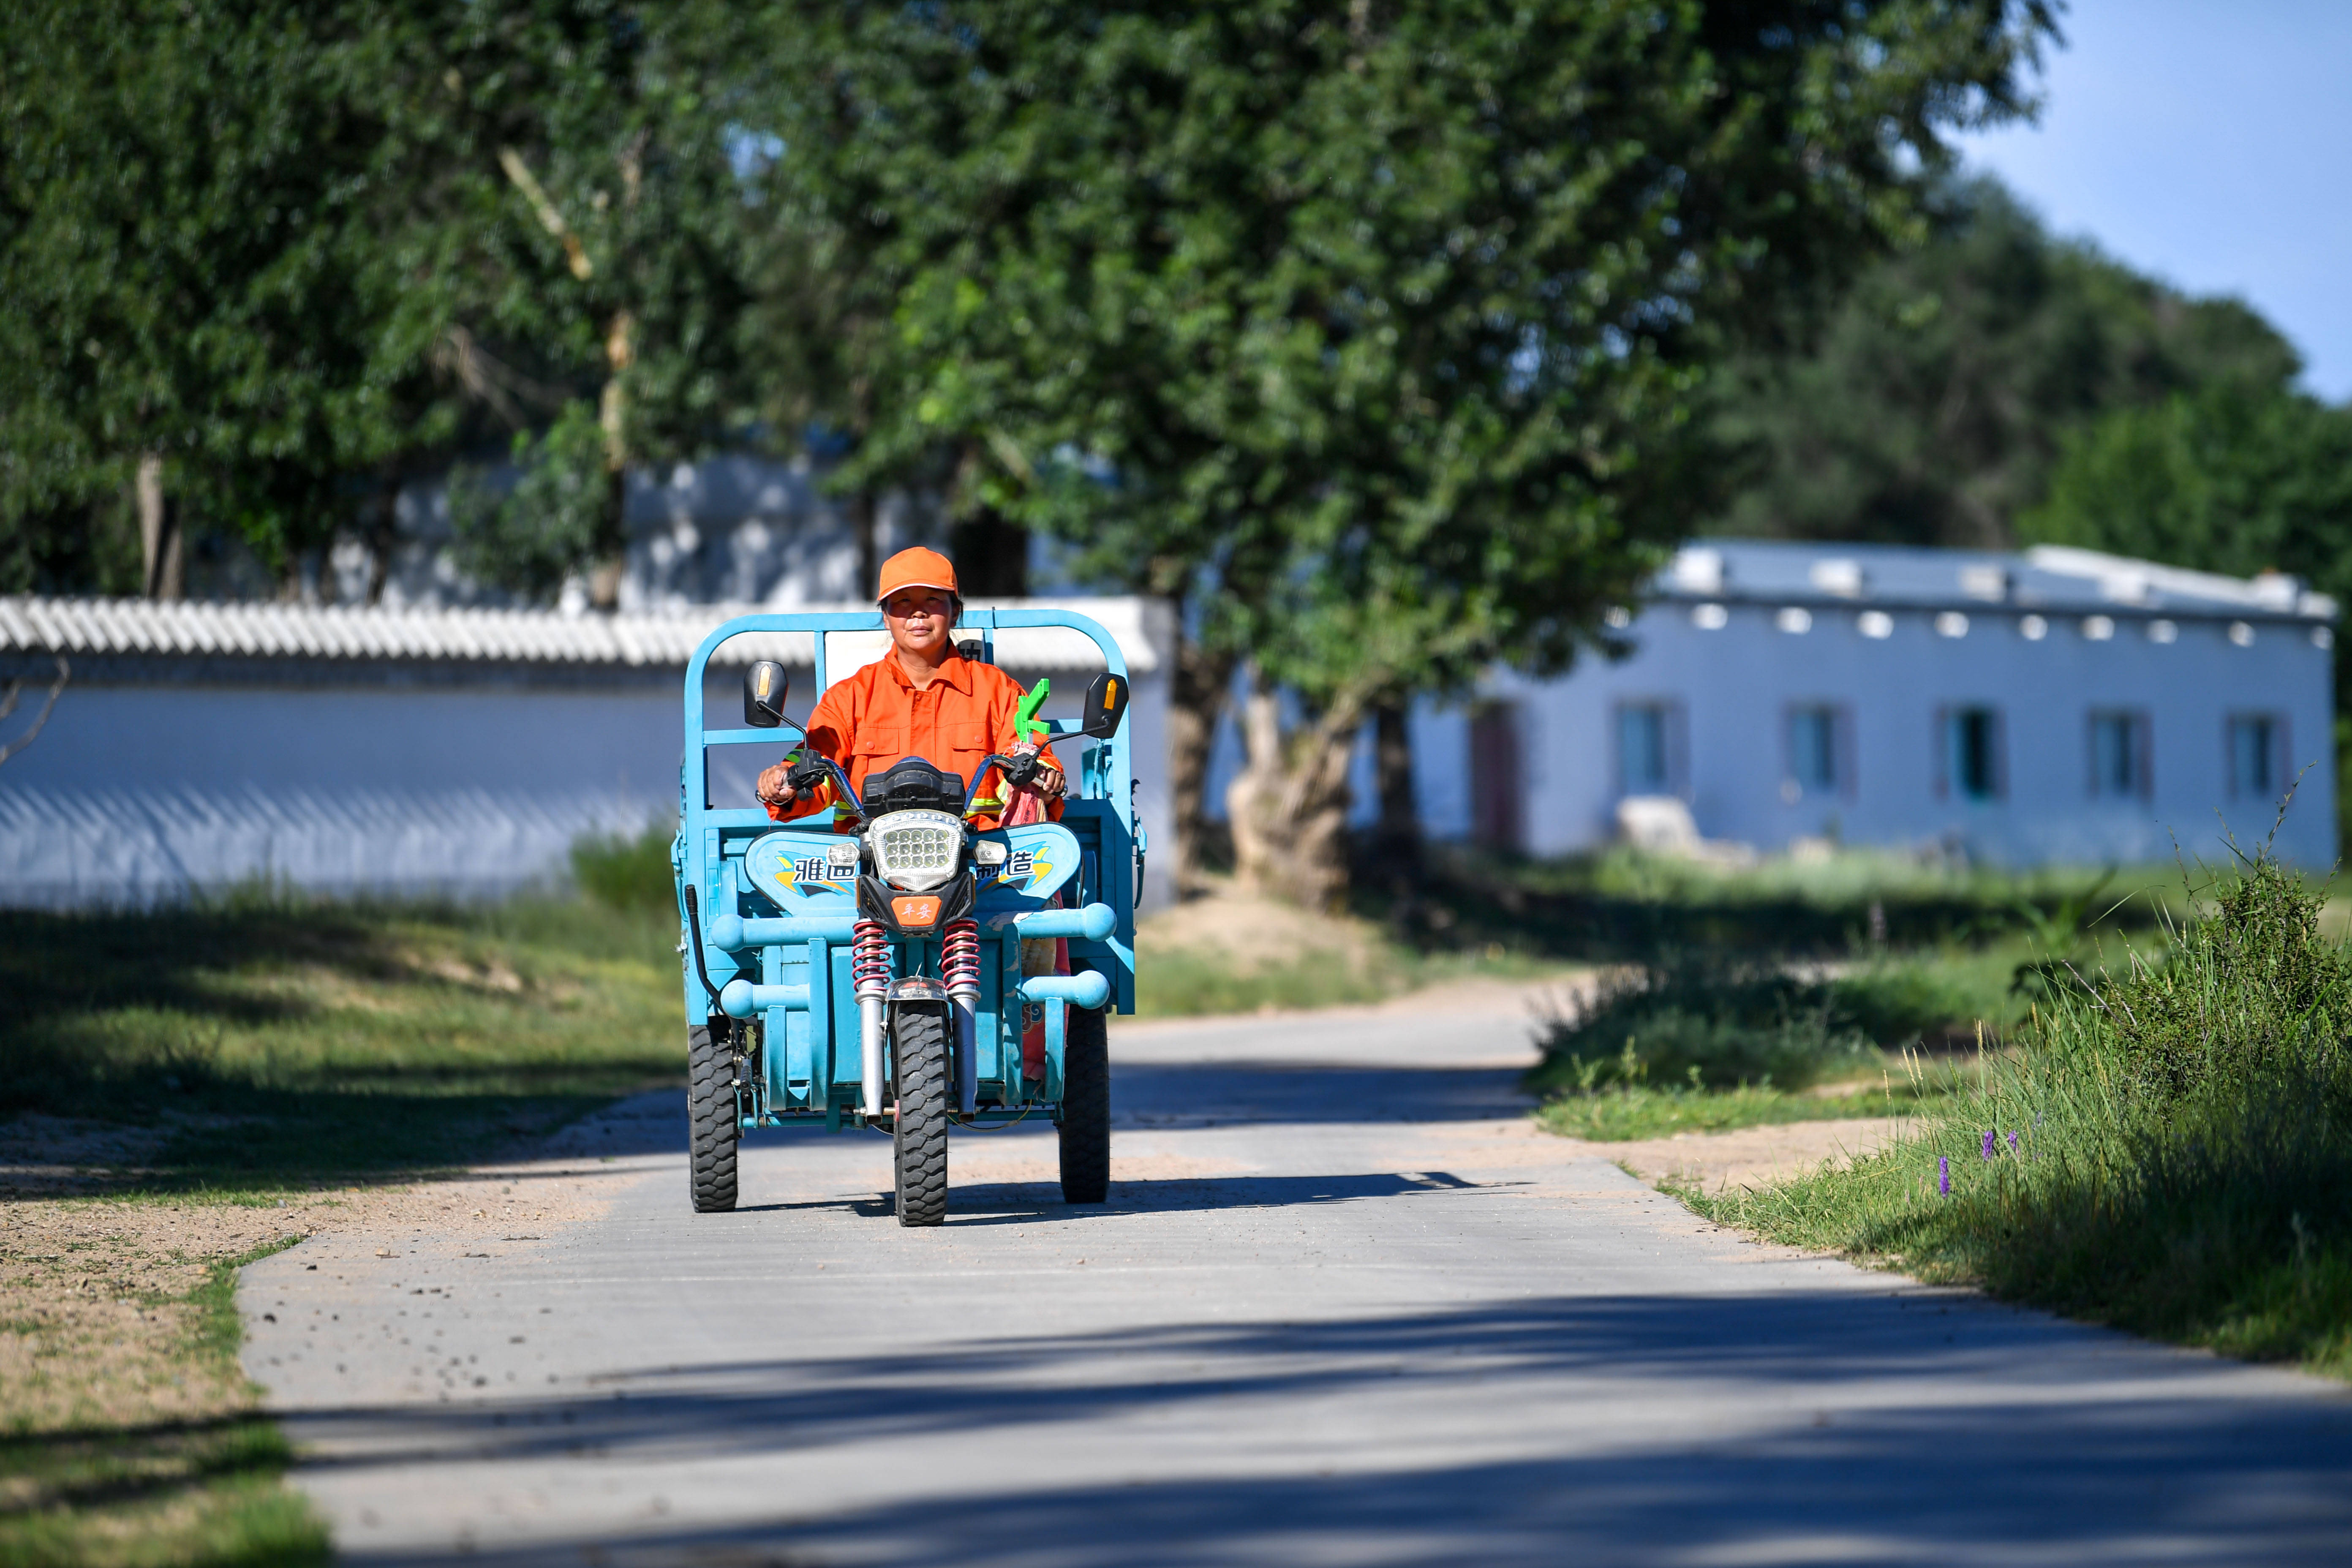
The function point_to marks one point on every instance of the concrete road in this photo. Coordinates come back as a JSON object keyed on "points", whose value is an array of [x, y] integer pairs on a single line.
{"points": [[1344, 1307]]}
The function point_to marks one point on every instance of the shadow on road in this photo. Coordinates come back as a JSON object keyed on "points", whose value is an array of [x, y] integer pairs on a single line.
{"points": [[2032, 1458], [1199, 1094], [1152, 1095]]}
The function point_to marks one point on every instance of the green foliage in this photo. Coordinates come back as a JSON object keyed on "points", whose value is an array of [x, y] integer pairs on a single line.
{"points": [[193, 201], [1941, 398], [553, 519], [628, 874], [2244, 993], [1375, 336], [2171, 1151], [280, 246]]}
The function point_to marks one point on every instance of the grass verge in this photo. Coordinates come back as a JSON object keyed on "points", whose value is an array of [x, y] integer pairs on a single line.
{"points": [[184, 1070], [2169, 1151], [1627, 1113], [86, 1484], [268, 1041]]}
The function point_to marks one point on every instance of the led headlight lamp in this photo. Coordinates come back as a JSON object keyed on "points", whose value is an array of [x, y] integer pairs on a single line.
{"points": [[915, 851]]}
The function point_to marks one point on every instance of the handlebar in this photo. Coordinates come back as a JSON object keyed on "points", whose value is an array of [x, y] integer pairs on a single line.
{"points": [[841, 782], [991, 761]]}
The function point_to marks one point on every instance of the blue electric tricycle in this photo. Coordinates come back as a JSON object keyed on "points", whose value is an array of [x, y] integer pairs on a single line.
{"points": [[862, 966]]}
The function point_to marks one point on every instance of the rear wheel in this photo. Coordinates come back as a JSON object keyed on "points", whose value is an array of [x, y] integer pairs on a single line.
{"points": [[1085, 1108], [919, 1131], [714, 1126]]}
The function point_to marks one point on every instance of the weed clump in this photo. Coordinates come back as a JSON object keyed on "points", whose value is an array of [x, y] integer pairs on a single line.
{"points": [[2169, 1151]]}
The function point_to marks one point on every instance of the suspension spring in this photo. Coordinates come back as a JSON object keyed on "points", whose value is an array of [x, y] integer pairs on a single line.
{"points": [[869, 959], [960, 958]]}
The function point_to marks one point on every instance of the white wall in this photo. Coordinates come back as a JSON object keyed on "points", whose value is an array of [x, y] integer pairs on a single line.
{"points": [[136, 794], [1736, 683]]}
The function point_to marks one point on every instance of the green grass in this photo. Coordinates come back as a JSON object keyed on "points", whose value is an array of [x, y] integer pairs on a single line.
{"points": [[1719, 1021], [1177, 982], [278, 1043], [1622, 905], [2170, 1149], [282, 1041], [1627, 1111], [168, 1494]]}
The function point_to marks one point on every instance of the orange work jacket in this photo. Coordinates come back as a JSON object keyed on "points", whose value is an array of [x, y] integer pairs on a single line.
{"points": [[870, 719]]}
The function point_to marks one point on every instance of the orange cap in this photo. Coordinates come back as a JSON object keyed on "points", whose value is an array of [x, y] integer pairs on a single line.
{"points": [[918, 569]]}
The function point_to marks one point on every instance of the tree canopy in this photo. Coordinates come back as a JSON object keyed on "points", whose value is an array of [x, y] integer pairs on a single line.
{"points": [[1931, 402], [1373, 337]]}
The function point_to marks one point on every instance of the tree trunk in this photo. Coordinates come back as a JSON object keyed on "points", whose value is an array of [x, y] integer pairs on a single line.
{"points": [[869, 546], [158, 533], [379, 533], [991, 555], [613, 410], [1288, 806], [1396, 843], [1196, 701]]}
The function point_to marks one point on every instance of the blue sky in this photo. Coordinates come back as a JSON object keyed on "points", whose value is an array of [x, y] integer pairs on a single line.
{"points": [[2209, 144]]}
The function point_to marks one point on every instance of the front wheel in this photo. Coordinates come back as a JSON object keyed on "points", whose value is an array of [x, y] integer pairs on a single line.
{"points": [[919, 1136], [714, 1126], [1085, 1108]]}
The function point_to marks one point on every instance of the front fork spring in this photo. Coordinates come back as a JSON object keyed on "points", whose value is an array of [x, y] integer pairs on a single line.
{"points": [[870, 960], [960, 958]]}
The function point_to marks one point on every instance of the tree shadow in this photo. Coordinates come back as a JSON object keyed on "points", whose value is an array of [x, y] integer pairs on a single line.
{"points": [[2001, 1452]]}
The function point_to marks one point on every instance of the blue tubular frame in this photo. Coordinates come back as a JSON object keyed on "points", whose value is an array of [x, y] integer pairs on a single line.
{"points": [[790, 971]]}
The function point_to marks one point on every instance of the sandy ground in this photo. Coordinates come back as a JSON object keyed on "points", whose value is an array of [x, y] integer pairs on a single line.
{"points": [[1751, 1157]]}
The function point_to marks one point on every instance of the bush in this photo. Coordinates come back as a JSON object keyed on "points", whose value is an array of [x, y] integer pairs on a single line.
{"points": [[625, 873], [2169, 1151]]}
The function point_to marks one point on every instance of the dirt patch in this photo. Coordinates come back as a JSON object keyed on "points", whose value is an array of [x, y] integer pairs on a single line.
{"points": [[101, 1324], [1751, 1156], [1257, 933]]}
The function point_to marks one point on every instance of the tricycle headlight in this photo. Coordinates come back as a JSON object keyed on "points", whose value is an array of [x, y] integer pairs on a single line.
{"points": [[915, 851], [987, 852]]}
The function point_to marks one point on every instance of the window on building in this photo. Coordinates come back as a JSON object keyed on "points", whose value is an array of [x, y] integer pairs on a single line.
{"points": [[1818, 762], [1971, 746], [1648, 746], [2257, 756], [2120, 754]]}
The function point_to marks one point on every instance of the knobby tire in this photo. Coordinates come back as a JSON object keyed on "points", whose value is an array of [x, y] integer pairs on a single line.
{"points": [[1085, 1108], [715, 1131], [919, 1136]]}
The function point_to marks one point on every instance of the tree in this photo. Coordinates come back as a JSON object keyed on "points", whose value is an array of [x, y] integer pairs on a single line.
{"points": [[605, 220], [1930, 402], [2242, 477], [202, 326], [266, 262], [1371, 338]]}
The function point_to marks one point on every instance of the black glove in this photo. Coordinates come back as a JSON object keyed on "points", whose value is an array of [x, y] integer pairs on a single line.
{"points": [[806, 774], [1020, 770]]}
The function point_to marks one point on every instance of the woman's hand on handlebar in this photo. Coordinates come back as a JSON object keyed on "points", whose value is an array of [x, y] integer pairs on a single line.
{"points": [[793, 779]]}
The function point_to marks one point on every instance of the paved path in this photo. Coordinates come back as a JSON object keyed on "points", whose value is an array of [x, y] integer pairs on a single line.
{"points": [[1345, 1307]]}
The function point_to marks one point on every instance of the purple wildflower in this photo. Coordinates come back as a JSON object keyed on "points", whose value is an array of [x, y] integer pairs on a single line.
{"points": [[2013, 1143], [1988, 1145], [1944, 1174]]}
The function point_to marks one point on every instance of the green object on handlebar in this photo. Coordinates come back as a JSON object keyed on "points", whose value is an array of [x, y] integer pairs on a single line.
{"points": [[1026, 725]]}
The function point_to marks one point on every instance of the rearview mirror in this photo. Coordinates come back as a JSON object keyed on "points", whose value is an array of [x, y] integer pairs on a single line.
{"points": [[764, 686], [1106, 705]]}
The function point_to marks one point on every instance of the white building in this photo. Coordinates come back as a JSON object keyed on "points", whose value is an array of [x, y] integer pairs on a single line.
{"points": [[451, 752], [2057, 705]]}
